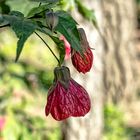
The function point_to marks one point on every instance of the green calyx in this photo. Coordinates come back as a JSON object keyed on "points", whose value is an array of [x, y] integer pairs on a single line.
{"points": [[83, 39], [62, 74]]}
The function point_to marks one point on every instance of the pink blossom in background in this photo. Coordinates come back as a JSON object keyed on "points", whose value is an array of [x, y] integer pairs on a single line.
{"points": [[67, 47], [2, 123]]}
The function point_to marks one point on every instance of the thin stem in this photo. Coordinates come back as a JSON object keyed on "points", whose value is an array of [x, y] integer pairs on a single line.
{"points": [[4, 25], [92, 48], [48, 28], [49, 48], [37, 14], [40, 4]]}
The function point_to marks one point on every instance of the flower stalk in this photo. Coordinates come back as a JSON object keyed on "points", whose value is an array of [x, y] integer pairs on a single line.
{"points": [[49, 48]]}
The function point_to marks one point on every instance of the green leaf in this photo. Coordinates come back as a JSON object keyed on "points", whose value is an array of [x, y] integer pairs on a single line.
{"points": [[46, 1], [60, 48], [17, 13], [86, 13], [67, 26], [40, 9], [22, 27], [4, 8], [43, 29], [1, 19]]}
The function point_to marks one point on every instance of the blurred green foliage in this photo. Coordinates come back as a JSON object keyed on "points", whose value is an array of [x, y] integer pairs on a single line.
{"points": [[138, 1], [138, 12], [24, 85], [23, 90], [115, 128]]}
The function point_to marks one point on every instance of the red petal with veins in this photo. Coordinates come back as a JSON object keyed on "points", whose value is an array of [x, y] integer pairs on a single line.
{"points": [[82, 63], [63, 103]]}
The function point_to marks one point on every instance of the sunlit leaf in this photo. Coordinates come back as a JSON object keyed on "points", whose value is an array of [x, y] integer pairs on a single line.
{"points": [[23, 28]]}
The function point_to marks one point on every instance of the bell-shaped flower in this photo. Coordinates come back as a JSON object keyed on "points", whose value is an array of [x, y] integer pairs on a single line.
{"points": [[66, 97]]}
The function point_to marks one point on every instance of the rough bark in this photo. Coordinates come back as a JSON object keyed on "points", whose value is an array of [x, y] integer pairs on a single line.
{"points": [[120, 49], [89, 127], [113, 74]]}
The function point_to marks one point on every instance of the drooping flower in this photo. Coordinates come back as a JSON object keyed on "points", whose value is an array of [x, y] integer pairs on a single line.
{"points": [[82, 62], [66, 97], [67, 47]]}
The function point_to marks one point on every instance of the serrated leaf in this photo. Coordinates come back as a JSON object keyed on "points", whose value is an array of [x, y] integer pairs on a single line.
{"points": [[23, 28], [27, 29], [60, 48], [67, 17], [67, 26]]}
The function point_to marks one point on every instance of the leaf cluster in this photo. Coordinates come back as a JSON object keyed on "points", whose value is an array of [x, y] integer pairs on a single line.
{"points": [[35, 21]]}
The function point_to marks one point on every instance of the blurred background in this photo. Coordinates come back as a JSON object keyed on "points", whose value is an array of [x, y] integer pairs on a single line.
{"points": [[113, 30]]}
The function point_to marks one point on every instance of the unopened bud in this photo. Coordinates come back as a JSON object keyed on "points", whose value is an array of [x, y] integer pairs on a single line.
{"points": [[83, 39], [51, 19]]}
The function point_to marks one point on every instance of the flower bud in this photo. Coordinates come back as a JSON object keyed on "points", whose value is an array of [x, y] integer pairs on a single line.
{"points": [[82, 63], [51, 19]]}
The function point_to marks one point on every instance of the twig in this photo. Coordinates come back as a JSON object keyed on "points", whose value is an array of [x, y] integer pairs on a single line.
{"points": [[39, 4], [4, 25], [48, 48]]}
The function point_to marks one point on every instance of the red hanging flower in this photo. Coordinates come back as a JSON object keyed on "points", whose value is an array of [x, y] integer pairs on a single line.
{"points": [[66, 97], [82, 63]]}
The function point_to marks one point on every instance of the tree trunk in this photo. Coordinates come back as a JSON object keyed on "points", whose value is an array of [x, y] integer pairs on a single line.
{"points": [[113, 71], [120, 49]]}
